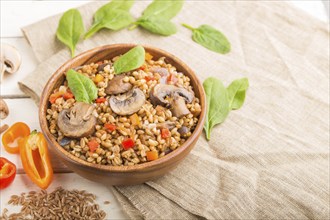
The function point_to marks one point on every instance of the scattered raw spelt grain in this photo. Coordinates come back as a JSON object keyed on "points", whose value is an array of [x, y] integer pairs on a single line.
{"points": [[59, 204]]}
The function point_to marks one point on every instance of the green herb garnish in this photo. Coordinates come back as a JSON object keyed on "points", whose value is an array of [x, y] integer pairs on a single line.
{"points": [[210, 38], [114, 16], [70, 28], [131, 60], [156, 17], [220, 101], [82, 87]]}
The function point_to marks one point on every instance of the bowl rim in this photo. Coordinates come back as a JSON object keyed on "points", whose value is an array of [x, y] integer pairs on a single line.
{"points": [[138, 167]]}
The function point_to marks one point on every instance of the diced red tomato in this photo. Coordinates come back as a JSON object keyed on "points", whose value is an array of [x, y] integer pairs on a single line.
{"points": [[100, 100], [127, 143], [110, 127], [172, 79], [7, 172], [149, 78], [165, 133], [152, 155], [93, 145]]}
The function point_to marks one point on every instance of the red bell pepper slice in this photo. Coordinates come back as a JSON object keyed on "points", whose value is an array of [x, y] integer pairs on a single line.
{"points": [[7, 172], [127, 143]]}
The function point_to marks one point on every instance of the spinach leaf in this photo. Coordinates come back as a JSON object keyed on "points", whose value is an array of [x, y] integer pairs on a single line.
{"points": [[236, 93], [156, 17], [220, 101], [114, 15], [210, 38], [161, 9], [82, 87], [113, 5], [70, 28], [158, 26], [217, 104], [131, 60]]}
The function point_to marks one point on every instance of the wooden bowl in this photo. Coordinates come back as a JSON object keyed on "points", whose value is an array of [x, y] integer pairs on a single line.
{"points": [[120, 175]]}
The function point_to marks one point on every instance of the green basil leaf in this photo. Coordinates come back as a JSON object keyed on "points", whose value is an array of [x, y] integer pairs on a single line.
{"points": [[113, 5], [236, 93], [161, 9], [70, 28], [114, 20], [210, 38], [82, 87], [217, 104], [131, 60], [158, 26]]}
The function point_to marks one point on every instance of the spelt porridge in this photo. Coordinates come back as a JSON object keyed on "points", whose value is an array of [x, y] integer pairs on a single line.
{"points": [[138, 116]]}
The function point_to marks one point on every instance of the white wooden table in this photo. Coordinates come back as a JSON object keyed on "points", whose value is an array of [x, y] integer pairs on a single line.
{"points": [[17, 14]]}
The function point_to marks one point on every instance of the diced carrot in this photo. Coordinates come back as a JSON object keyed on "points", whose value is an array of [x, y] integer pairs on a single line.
{"points": [[148, 56], [98, 78], [143, 67], [149, 78], [68, 95], [152, 155], [171, 79], [54, 96], [93, 145], [135, 120], [127, 143], [100, 100], [165, 133], [110, 127]]}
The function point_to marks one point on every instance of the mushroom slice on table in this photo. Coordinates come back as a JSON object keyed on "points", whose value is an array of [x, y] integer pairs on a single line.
{"points": [[10, 60], [127, 103], [78, 121], [4, 110], [172, 97], [117, 86]]}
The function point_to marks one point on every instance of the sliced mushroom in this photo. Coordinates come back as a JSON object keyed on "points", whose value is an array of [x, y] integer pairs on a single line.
{"points": [[4, 110], [163, 73], [172, 97], [179, 107], [160, 92], [168, 124], [3, 128], [127, 103], [10, 60], [77, 122], [117, 85]]}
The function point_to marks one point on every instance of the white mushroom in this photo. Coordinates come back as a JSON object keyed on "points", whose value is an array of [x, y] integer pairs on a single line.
{"points": [[10, 60], [4, 110]]}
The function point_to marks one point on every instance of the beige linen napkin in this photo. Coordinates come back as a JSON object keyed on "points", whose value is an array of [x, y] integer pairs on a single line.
{"points": [[270, 159]]}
